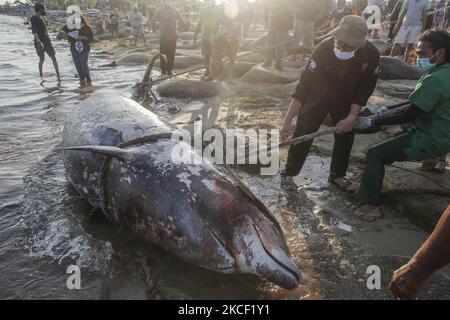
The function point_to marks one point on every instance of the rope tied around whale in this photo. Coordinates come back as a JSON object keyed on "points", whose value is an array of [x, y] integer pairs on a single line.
{"points": [[106, 164]]}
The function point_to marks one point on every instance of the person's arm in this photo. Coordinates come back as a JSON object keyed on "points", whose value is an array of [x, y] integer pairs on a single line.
{"points": [[347, 124], [368, 79], [365, 87], [37, 39], [311, 75], [86, 34], [435, 252], [293, 111], [34, 30], [400, 115], [66, 29], [303, 89], [426, 96], [412, 278]]}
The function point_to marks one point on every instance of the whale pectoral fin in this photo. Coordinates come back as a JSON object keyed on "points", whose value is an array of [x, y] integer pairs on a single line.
{"points": [[103, 150]]}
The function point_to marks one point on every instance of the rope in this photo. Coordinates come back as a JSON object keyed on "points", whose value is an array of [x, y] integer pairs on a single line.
{"points": [[422, 175], [418, 191], [298, 140]]}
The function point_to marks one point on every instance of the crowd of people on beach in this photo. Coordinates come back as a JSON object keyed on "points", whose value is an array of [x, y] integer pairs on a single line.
{"points": [[224, 27], [339, 78]]}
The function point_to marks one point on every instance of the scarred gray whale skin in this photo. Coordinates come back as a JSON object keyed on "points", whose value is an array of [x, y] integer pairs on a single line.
{"points": [[117, 155]]}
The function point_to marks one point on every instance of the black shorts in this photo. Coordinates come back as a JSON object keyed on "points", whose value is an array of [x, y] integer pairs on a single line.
{"points": [[47, 47]]}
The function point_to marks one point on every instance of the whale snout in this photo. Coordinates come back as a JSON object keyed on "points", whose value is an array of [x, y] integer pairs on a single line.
{"points": [[272, 263], [287, 277]]}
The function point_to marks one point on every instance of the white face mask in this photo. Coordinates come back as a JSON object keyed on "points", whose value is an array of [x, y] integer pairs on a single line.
{"points": [[342, 55]]}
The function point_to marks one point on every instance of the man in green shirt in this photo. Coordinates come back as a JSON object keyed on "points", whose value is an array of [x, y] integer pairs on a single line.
{"points": [[207, 25], [429, 111]]}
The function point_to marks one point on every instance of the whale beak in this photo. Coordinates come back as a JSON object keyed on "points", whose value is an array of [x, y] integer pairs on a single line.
{"points": [[267, 259]]}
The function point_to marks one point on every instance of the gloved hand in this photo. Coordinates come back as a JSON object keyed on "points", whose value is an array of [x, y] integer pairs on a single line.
{"points": [[364, 123], [382, 111]]}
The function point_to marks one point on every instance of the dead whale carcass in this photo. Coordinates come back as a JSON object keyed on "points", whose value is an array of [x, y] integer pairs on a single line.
{"points": [[118, 156]]}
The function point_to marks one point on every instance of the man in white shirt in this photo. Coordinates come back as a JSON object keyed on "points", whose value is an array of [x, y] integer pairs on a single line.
{"points": [[409, 26], [137, 22]]}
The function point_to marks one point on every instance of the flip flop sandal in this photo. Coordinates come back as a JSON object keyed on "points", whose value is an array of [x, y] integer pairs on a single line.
{"points": [[360, 214], [370, 217], [440, 167], [342, 183]]}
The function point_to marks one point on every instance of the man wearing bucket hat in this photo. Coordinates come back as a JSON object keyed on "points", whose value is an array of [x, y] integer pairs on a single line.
{"points": [[338, 80]]}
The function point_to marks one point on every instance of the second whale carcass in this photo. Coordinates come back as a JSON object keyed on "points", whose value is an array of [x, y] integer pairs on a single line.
{"points": [[118, 156]]}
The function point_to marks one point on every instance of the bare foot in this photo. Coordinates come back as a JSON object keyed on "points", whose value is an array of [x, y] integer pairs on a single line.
{"points": [[369, 214], [428, 165], [341, 182], [407, 283]]}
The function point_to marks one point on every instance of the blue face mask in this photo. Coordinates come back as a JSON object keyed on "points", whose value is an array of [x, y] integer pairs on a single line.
{"points": [[424, 64]]}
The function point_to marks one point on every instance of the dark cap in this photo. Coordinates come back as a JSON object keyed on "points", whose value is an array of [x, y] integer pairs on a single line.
{"points": [[39, 6], [352, 31]]}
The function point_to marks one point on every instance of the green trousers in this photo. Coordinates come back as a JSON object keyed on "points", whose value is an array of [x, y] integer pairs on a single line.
{"points": [[388, 152]]}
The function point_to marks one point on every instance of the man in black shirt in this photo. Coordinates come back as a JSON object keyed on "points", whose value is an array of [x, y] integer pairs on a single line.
{"points": [[42, 41], [338, 80]]}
